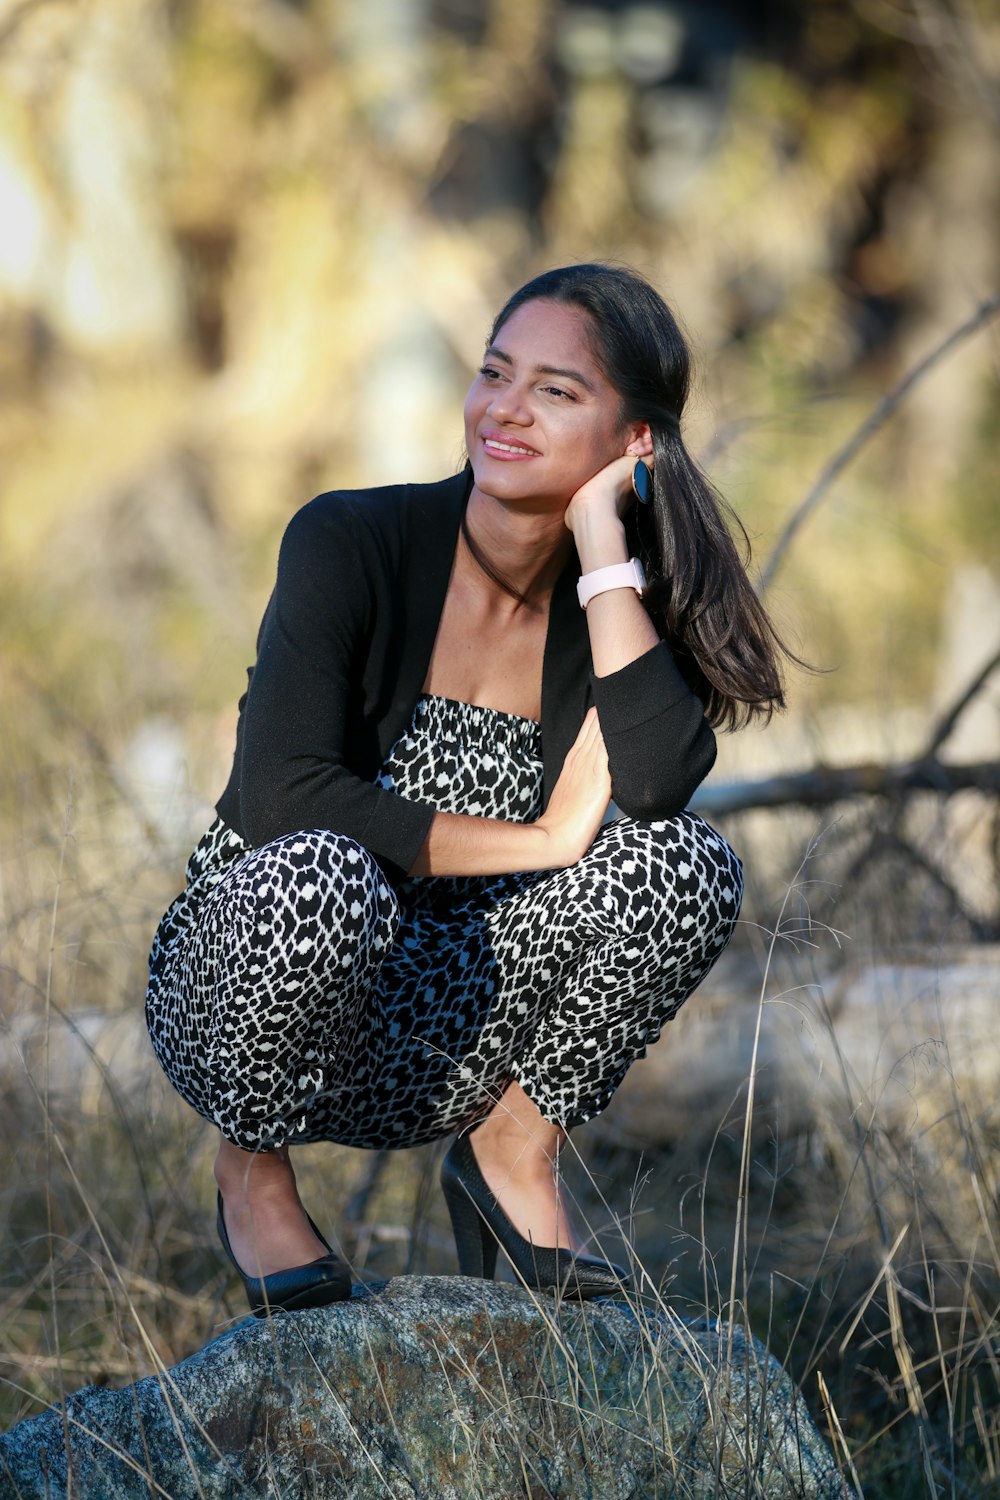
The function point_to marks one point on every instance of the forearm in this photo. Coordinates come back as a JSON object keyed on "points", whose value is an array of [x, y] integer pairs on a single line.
{"points": [[460, 845], [620, 629], [659, 743]]}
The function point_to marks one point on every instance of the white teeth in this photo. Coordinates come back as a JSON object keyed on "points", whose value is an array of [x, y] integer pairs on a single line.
{"points": [[507, 447]]}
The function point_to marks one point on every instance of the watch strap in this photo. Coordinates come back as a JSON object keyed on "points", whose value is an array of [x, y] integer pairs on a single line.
{"points": [[626, 575]]}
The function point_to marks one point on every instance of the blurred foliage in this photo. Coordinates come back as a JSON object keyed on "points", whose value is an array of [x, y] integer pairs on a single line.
{"points": [[257, 243]]}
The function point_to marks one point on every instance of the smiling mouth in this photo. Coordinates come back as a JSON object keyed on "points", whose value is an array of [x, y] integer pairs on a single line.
{"points": [[508, 450]]}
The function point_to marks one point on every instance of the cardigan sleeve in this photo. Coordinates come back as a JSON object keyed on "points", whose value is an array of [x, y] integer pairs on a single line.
{"points": [[305, 683], [660, 745]]}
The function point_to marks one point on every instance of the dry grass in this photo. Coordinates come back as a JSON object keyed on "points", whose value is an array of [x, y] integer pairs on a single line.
{"points": [[832, 1182]]}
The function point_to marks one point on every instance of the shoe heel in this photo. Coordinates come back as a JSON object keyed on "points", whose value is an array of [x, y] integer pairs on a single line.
{"points": [[476, 1246], [481, 1225]]}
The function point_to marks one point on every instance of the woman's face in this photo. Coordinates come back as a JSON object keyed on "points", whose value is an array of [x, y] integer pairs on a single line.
{"points": [[541, 417]]}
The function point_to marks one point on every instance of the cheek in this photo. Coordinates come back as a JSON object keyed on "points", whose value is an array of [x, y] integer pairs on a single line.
{"points": [[473, 406], [602, 443]]}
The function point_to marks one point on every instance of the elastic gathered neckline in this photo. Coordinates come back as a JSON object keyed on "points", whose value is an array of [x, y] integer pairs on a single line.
{"points": [[451, 716]]}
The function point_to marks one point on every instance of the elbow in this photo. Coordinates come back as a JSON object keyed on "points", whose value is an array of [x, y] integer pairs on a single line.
{"points": [[665, 785], [653, 804], [267, 811], [260, 824]]}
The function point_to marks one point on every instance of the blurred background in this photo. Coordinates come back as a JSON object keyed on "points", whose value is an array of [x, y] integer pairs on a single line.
{"points": [[250, 250]]}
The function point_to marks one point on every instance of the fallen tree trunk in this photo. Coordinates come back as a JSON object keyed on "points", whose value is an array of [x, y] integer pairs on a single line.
{"points": [[822, 785]]}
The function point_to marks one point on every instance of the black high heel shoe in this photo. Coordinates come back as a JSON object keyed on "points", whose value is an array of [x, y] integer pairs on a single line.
{"points": [[481, 1227], [316, 1284]]}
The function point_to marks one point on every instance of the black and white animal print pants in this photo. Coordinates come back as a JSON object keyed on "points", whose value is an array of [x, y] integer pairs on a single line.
{"points": [[295, 996]]}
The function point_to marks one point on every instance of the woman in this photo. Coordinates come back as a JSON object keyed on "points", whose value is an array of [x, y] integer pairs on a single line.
{"points": [[408, 920]]}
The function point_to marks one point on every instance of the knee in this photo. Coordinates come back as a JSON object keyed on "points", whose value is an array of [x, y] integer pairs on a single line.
{"points": [[676, 878], [310, 865], [315, 891]]}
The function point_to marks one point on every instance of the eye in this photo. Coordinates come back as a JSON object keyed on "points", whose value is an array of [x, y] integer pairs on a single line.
{"points": [[557, 390], [488, 372]]}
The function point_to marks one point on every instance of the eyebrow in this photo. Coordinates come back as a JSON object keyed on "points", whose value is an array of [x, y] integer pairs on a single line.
{"points": [[494, 353]]}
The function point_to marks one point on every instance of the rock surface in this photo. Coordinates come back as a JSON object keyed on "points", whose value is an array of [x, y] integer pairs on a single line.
{"points": [[445, 1389]]}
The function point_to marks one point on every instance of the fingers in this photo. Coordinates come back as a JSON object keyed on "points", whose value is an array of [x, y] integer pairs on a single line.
{"points": [[590, 758], [589, 755], [589, 744], [580, 797], [595, 736], [607, 493], [590, 729]]}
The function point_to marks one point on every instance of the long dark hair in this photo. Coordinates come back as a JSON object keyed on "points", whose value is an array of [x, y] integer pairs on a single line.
{"points": [[716, 625]]}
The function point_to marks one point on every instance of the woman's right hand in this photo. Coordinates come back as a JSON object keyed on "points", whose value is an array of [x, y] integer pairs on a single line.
{"points": [[579, 798]]}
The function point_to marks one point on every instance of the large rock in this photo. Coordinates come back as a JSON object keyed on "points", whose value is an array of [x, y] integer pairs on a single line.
{"points": [[442, 1388]]}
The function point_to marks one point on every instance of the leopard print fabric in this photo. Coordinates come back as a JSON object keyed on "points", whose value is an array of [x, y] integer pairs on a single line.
{"points": [[295, 996]]}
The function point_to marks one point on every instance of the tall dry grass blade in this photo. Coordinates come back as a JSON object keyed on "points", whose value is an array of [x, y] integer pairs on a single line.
{"points": [[740, 1240], [977, 1192], [146, 1475], [833, 1421], [903, 1353], [933, 1487], [945, 1383], [45, 1102], [988, 1428], [866, 1299]]}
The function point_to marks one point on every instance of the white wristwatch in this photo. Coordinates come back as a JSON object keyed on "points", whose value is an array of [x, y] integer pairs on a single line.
{"points": [[628, 575]]}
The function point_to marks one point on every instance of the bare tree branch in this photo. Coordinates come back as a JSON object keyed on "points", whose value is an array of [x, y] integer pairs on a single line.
{"points": [[883, 845], [948, 721], [825, 784], [875, 419]]}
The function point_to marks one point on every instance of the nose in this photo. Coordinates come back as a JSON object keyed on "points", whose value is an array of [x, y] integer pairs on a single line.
{"points": [[507, 404]]}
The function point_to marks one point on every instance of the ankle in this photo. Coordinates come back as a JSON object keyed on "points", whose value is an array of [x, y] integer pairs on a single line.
{"points": [[238, 1173], [521, 1158]]}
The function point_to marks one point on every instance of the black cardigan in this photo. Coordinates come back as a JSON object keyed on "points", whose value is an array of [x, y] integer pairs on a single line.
{"points": [[342, 656]]}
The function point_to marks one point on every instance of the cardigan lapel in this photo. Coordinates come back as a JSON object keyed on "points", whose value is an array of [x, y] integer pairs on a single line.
{"points": [[431, 522], [566, 669]]}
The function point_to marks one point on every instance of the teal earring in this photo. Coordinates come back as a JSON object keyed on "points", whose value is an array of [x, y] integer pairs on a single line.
{"points": [[642, 483]]}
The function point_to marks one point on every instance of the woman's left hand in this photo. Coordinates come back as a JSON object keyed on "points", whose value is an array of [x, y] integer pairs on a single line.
{"points": [[605, 497]]}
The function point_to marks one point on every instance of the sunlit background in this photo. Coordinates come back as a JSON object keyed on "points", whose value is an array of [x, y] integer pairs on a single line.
{"points": [[250, 250]]}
